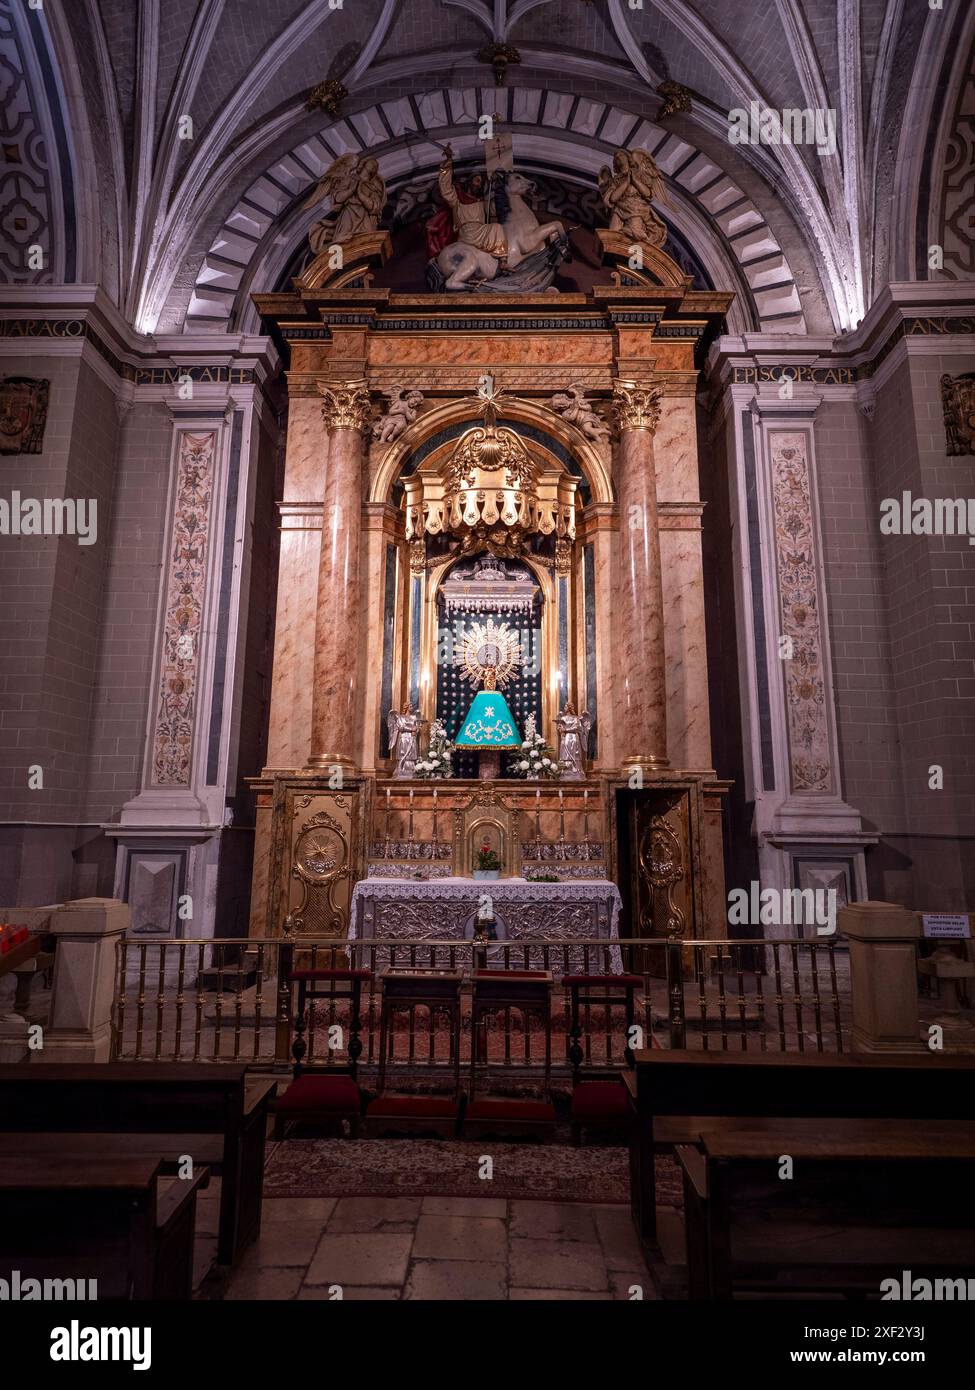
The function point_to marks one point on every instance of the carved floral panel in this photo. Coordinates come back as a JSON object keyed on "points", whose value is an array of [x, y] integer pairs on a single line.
{"points": [[800, 615], [172, 739]]}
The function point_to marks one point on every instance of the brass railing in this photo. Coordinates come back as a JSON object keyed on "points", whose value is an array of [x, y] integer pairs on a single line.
{"points": [[231, 999]]}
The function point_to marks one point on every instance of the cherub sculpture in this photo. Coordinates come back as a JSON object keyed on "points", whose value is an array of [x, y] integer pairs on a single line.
{"points": [[402, 411], [358, 194], [572, 405], [628, 189]]}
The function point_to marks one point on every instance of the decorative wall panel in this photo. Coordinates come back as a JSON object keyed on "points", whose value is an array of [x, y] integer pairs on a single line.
{"points": [[172, 737], [810, 761]]}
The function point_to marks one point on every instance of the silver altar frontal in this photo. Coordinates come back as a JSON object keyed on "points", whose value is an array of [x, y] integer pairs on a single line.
{"points": [[446, 909]]}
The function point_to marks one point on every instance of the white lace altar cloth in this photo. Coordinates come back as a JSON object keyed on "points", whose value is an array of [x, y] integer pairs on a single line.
{"points": [[444, 909]]}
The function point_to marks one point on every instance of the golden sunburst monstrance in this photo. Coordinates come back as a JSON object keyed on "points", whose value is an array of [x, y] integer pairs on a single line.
{"points": [[488, 646]]}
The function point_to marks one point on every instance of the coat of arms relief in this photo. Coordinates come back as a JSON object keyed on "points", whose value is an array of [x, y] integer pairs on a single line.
{"points": [[23, 414]]}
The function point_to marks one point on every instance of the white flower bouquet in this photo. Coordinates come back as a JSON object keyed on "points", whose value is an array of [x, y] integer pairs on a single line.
{"points": [[438, 761], [536, 758]]}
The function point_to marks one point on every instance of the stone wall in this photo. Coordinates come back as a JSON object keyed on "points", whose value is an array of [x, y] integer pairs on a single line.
{"points": [[53, 595]]}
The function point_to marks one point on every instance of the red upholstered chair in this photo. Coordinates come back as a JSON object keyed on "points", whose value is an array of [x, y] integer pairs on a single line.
{"points": [[599, 1098], [530, 993], [404, 991], [326, 1097]]}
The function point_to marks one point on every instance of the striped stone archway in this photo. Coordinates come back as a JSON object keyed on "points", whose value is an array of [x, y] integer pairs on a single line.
{"points": [[553, 131]]}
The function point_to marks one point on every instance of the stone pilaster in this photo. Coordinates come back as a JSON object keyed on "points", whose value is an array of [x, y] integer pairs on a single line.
{"points": [[345, 410], [641, 668]]}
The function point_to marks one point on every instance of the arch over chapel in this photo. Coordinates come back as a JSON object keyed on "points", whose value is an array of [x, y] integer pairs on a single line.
{"points": [[538, 423], [708, 209]]}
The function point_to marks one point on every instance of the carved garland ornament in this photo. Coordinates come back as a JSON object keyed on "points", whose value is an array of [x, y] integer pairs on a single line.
{"points": [[346, 406], [637, 405]]}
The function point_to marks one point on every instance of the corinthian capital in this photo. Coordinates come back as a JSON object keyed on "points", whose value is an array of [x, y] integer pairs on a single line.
{"points": [[345, 405], [637, 405]]}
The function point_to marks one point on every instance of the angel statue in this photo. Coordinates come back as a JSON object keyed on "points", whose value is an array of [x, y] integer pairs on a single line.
{"points": [[404, 740], [358, 194], [572, 405], [573, 732], [628, 189], [402, 411]]}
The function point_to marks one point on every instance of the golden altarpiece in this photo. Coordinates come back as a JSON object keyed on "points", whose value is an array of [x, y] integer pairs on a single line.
{"points": [[514, 462]]}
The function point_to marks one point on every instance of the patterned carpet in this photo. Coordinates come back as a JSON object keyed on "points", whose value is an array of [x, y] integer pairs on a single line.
{"points": [[450, 1168]]}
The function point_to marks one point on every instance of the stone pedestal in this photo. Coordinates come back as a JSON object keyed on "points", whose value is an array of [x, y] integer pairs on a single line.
{"points": [[13, 1038], [883, 970], [80, 1028], [346, 413], [948, 969], [642, 672]]}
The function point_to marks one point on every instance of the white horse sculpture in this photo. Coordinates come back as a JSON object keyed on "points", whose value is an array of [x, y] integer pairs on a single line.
{"points": [[535, 247]]}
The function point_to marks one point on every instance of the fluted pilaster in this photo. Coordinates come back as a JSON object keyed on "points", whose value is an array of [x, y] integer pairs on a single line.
{"points": [[345, 410], [641, 610]]}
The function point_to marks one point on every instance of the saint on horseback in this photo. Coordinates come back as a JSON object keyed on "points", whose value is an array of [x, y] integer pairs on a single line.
{"points": [[471, 250]]}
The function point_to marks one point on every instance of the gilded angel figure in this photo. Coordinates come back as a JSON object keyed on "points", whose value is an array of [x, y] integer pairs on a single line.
{"points": [[628, 189], [357, 192]]}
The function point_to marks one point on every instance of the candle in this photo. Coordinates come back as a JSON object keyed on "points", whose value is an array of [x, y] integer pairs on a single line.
{"points": [[434, 823]]}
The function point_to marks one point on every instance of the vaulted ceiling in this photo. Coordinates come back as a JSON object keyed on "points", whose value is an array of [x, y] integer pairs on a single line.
{"points": [[173, 109]]}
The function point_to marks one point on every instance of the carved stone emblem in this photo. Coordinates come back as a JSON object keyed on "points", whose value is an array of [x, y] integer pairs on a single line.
{"points": [[958, 399], [23, 414]]}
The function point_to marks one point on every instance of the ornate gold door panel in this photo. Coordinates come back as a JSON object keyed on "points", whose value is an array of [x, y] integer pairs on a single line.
{"points": [[316, 847], [665, 864]]}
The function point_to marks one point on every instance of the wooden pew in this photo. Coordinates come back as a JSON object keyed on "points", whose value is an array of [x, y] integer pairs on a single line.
{"points": [[867, 1199], [104, 1218], [671, 1092], [214, 1113]]}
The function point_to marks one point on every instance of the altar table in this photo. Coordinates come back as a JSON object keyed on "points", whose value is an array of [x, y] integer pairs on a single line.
{"points": [[444, 909]]}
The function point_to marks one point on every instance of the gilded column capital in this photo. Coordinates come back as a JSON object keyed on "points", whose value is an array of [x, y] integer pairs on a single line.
{"points": [[346, 405], [637, 405]]}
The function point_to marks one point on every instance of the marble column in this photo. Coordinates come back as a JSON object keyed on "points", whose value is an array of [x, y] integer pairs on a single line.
{"points": [[641, 609], [345, 411]]}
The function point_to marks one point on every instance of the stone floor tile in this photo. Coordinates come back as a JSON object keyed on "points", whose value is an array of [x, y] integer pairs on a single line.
{"points": [[282, 1244], [465, 1206], [553, 1221], [558, 1295], [449, 1280], [360, 1258], [556, 1264], [460, 1238], [354, 1214], [266, 1285], [351, 1293], [618, 1237], [621, 1281], [310, 1209]]}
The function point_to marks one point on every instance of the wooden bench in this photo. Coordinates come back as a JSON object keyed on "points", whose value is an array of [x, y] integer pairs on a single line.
{"points": [[105, 1218], [214, 1113], [671, 1092], [866, 1199]]}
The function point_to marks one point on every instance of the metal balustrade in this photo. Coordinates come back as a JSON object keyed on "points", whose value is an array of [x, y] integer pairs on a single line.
{"points": [[230, 999]]}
